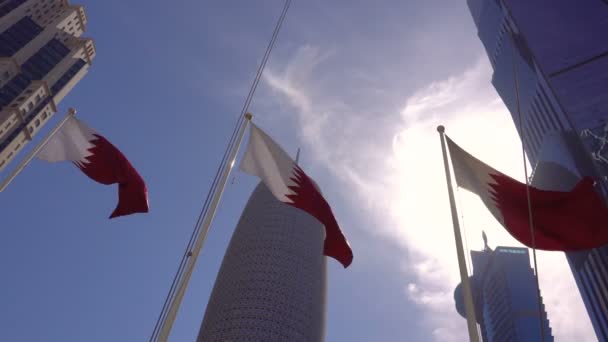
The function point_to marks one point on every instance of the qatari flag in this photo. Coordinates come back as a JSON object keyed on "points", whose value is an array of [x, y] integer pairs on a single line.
{"points": [[563, 220], [101, 161], [290, 184]]}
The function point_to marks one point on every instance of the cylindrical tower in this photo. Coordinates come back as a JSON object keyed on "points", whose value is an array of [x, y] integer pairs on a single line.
{"points": [[272, 282]]}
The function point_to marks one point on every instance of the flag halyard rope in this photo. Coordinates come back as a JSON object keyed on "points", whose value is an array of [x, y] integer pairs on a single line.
{"points": [[466, 245], [523, 153], [464, 230], [214, 186]]}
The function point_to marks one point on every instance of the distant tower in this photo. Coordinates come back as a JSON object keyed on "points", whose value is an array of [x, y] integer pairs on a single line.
{"points": [[505, 296], [272, 282], [42, 57]]}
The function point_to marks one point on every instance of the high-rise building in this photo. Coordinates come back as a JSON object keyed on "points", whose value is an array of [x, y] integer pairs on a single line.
{"points": [[505, 296], [557, 52], [42, 57], [272, 282]]}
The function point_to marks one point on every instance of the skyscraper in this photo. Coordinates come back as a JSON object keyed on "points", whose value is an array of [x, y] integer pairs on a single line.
{"points": [[505, 296], [272, 282], [557, 52], [42, 57]]}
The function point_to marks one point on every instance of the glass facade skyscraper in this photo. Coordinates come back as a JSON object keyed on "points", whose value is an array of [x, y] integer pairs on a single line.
{"points": [[557, 52], [505, 296]]}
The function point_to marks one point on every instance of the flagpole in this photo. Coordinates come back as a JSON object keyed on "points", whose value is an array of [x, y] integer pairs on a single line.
{"points": [[193, 254], [25, 162], [176, 292], [464, 276]]}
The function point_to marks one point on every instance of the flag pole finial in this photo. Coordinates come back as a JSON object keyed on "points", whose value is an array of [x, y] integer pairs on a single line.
{"points": [[72, 111], [441, 129], [248, 116]]}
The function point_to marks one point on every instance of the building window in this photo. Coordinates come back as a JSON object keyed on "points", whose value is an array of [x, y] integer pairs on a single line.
{"points": [[30, 129], [37, 123], [44, 115], [30, 105], [38, 97]]}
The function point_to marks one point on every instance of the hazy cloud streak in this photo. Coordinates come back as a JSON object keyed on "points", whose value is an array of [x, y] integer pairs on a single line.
{"points": [[401, 184]]}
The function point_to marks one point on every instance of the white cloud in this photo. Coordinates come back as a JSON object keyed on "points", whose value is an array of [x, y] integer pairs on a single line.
{"points": [[412, 188]]}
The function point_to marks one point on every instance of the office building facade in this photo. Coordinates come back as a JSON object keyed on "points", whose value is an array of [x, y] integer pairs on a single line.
{"points": [[42, 57], [505, 296], [552, 55], [272, 282]]}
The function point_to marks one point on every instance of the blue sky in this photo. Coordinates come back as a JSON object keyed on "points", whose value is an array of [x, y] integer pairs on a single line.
{"points": [[358, 85]]}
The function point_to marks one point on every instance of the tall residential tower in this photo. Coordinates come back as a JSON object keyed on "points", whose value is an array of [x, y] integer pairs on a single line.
{"points": [[42, 57], [272, 282], [555, 53]]}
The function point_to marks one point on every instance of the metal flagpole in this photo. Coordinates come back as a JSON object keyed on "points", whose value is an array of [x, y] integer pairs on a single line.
{"points": [[25, 162], [176, 292], [464, 276], [176, 301]]}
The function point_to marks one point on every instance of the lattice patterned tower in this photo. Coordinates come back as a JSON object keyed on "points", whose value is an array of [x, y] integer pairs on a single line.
{"points": [[42, 57], [272, 282]]}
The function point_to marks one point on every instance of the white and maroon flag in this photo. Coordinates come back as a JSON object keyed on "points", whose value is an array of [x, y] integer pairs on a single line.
{"points": [[100, 161], [563, 220], [290, 184]]}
